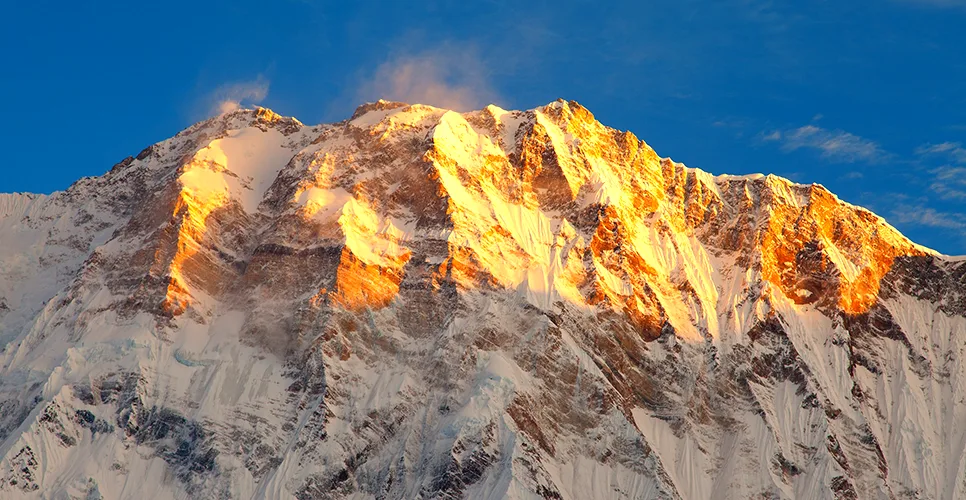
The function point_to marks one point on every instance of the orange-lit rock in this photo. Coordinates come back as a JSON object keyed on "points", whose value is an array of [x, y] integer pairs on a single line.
{"points": [[360, 285], [547, 202]]}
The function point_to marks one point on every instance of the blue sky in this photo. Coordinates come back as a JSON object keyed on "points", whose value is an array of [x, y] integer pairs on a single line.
{"points": [[867, 98]]}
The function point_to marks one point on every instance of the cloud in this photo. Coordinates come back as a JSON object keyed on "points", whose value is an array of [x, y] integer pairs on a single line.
{"points": [[924, 216], [449, 77], [948, 193], [956, 175], [232, 96], [951, 150], [773, 136], [949, 183], [834, 145]]}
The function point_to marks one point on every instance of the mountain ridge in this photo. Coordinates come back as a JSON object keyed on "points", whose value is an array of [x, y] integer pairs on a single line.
{"points": [[416, 302]]}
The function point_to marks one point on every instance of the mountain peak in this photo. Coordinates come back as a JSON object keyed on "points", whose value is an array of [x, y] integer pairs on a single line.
{"points": [[379, 105], [529, 172], [417, 302]]}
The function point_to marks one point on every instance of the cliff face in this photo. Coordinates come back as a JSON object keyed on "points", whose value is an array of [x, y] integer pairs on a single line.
{"points": [[417, 303]]}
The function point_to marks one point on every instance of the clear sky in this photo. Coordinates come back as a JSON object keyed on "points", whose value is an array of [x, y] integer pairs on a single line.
{"points": [[865, 97]]}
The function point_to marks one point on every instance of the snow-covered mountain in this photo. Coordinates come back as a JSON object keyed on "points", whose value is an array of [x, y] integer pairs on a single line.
{"points": [[418, 303]]}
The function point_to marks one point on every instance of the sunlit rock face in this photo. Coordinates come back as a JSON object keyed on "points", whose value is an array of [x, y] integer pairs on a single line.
{"points": [[418, 303]]}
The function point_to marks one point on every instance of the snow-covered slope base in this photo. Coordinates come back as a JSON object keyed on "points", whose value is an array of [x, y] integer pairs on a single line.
{"points": [[417, 303]]}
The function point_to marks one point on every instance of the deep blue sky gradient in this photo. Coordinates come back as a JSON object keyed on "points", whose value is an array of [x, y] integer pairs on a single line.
{"points": [[867, 98]]}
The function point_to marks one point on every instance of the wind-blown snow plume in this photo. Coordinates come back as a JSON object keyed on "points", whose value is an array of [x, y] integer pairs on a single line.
{"points": [[452, 77], [230, 96]]}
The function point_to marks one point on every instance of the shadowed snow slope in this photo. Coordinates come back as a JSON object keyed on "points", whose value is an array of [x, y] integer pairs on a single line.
{"points": [[418, 303]]}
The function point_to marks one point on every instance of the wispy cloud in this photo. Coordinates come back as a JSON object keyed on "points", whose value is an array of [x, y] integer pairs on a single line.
{"points": [[452, 77], [924, 216], [951, 174], [232, 96], [949, 183], [772, 136], [952, 150], [833, 145]]}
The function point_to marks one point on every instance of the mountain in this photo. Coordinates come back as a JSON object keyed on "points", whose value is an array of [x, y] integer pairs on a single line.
{"points": [[418, 303]]}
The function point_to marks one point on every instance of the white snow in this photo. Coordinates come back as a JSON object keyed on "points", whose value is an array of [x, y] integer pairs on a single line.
{"points": [[241, 166]]}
